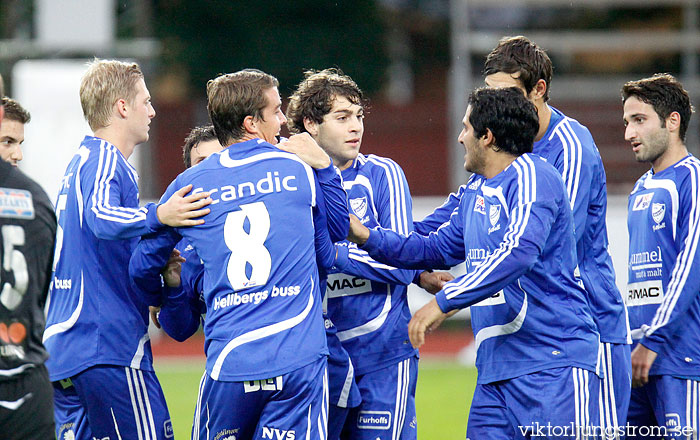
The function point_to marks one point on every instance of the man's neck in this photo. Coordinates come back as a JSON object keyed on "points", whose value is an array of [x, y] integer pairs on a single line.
{"points": [[544, 113], [116, 138], [674, 153], [498, 162]]}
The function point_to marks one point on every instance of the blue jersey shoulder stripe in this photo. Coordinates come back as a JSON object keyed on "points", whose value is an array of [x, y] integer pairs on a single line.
{"points": [[571, 146], [681, 271], [399, 217], [516, 228], [106, 170], [363, 257]]}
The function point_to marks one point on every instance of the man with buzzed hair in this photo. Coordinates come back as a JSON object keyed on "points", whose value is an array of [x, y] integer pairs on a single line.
{"points": [[12, 131], [97, 323], [27, 231]]}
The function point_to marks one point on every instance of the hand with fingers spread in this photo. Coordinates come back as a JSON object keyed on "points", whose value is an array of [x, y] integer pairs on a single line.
{"points": [[433, 282], [182, 210], [642, 360], [425, 320], [304, 146]]}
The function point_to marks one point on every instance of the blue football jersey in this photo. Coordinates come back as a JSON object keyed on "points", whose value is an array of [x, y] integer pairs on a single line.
{"points": [[663, 294], [95, 316], [515, 234], [367, 300], [569, 147], [261, 284]]}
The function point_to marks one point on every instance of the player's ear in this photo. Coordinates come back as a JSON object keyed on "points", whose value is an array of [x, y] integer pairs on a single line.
{"points": [[673, 122], [121, 107], [488, 138], [539, 90], [311, 127], [250, 125]]}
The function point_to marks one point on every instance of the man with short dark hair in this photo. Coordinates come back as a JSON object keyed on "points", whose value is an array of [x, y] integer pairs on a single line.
{"points": [[663, 295], [514, 229], [27, 233], [12, 131]]}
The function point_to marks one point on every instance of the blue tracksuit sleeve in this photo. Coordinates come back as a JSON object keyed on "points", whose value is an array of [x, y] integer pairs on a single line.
{"points": [[104, 211], [335, 201], [442, 214], [149, 258], [683, 288], [394, 208], [528, 227]]}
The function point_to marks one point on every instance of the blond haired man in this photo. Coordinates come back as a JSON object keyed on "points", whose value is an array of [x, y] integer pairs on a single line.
{"points": [[96, 330]]}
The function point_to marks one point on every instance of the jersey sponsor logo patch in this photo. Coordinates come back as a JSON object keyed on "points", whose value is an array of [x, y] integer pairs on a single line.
{"points": [[272, 384], [657, 214], [168, 429], [642, 202], [339, 284], [16, 203], [493, 300], [479, 205], [359, 206], [374, 420], [644, 293], [278, 434]]}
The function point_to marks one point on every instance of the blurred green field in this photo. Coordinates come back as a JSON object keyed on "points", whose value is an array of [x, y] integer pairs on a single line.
{"points": [[442, 398]]}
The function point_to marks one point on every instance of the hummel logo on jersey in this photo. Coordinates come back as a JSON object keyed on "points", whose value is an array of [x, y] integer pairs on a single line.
{"points": [[642, 202], [479, 205], [494, 216], [475, 184], [657, 213], [359, 206]]}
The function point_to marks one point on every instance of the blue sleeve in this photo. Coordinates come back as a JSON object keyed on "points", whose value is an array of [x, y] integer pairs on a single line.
{"points": [[683, 288], [334, 201], [325, 251], [181, 312], [441, 215], [394, 210], [441, 249], [149, 258], [531, 223], [104, 213]]}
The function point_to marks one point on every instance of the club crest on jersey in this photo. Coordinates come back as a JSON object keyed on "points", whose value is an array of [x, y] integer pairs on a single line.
{"points": [[494, 216], [657, 214], [642, 202], [479, 205], [359, 206], [16, 203]]}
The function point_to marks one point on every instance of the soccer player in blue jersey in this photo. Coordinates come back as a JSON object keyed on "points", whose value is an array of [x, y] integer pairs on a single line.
{"points": [[663, 293], [536, 340], [366, 300], [96, 330], [265, 343]]}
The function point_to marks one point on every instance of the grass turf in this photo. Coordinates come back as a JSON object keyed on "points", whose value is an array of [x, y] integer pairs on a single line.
{"points": [[443, 396]]}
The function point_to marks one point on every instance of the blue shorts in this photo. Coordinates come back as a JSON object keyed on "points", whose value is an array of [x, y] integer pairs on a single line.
{"points": [[113, 402], [615, 387], [293, 405], [388, 408], [666, 405], [546, 404]]}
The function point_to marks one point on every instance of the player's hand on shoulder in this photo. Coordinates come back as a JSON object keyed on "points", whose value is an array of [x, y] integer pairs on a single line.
{"points": [[304, 146], [433, 282], [184, 210]]}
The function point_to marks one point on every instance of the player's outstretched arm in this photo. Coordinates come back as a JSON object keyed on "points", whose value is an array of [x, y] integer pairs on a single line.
{"points": [[184, 210], [304, 146], [427, 319]]}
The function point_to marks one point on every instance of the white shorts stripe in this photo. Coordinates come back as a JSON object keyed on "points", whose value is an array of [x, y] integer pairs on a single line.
{"points": [[147, 400], [577, 403], [134, 406]]}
